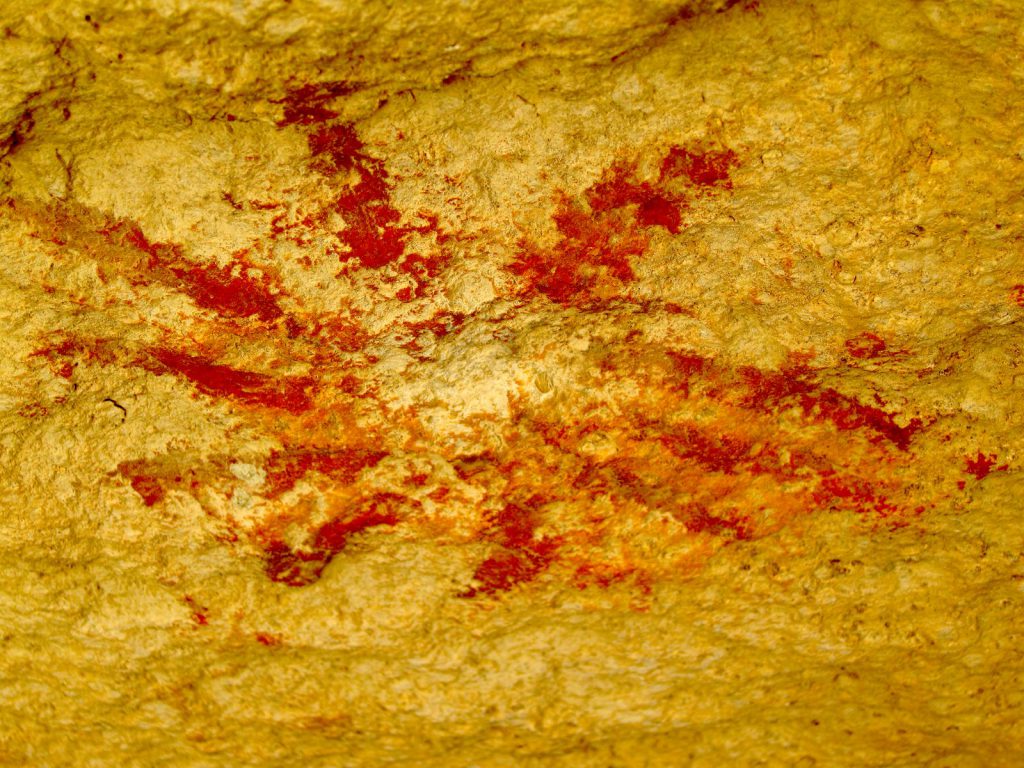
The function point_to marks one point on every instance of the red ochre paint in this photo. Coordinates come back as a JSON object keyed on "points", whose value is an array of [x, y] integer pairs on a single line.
{"points": [[227, 290], [198, 614], [718, 453], [267, 639], [306, 105], [248, 387], [866, 346], [588, 246], [148, 487], [794, 386], [343, 465], [618, 188], [981, 465], [64, 355], [700, 520], [687, 365], [1018, 295], [522, 558], [299, 568], [229, 294], [703, 169], [337, 147], [597, 239]]}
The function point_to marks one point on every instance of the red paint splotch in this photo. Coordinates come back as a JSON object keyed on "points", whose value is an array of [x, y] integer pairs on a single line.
{"points": [[307, 104], [703, 168], [301, 566], [152, 479], [149, 488], [795, 386], [865, 346], [982, 465], [230, 290], [288, 393], [699, 520], [373, 236], [522, 555], [1018, 295], [199, 613], [704, 455], [655, 206], [602, 235], [286, 467], [66, 351]]}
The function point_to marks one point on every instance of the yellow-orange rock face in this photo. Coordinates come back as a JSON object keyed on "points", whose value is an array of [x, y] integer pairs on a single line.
{"points": [[476, 384]]}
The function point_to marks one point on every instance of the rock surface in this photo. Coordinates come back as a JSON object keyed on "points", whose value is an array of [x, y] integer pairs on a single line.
{"points": [[490, 384]]}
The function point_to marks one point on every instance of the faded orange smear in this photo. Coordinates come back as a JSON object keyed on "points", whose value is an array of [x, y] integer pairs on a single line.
{"points": [[247, 387]]}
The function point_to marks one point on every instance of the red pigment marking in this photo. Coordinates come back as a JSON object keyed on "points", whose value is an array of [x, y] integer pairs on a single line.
{"points": [[714, 453], [343, 465], [299, 568], [198, 614], [793, 386], [63, 356], [337, 147], [306, 104], [602, 575], [227, 290], [149, 488], [981, 465], [1018, 295], [248, 387], [371, 232], [219, 289], [346, 335], [687, 365], [588, 246], [598, 240], [440, 325], [700, 520], [704, 169], [265, 639], [866, 346], [852, 493], [618, 188], [523, 557], [22, 129]]}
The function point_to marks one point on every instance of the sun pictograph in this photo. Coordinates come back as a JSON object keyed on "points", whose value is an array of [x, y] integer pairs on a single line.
{"points": [[648, 457]]}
